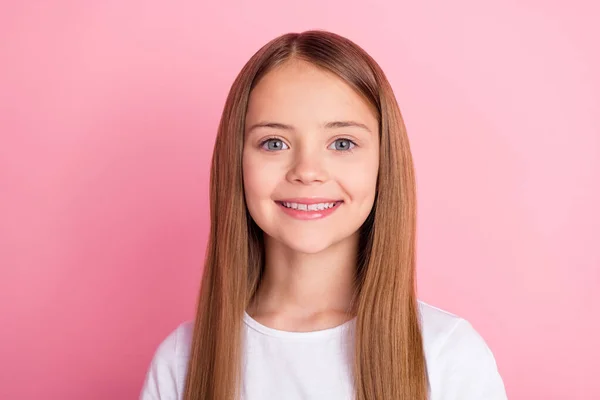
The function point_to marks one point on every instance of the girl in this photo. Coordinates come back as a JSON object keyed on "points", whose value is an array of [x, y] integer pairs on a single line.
{"points": [[308, 289]]}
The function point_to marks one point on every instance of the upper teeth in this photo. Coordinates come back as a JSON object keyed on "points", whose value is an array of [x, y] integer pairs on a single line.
{"points": [[308, 207]]}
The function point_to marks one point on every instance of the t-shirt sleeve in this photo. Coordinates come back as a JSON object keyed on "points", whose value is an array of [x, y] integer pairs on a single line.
{"points": [[468, 367], [162, 375]]}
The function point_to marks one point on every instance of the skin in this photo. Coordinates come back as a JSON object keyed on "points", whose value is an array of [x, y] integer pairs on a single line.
{"points": [[310, 264]]}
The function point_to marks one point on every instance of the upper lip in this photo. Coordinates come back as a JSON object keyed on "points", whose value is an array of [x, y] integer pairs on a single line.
{"points": [[308, 200]]}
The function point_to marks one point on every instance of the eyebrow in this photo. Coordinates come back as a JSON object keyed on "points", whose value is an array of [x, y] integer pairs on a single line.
{"points": [[328, 125]]}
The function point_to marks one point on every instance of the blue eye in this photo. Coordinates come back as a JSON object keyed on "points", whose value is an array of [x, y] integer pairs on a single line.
{"points": [[343, 144], [274, 144]]}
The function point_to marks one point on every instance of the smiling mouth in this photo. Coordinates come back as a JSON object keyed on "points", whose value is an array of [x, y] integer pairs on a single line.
{"points": [[326, 205]]}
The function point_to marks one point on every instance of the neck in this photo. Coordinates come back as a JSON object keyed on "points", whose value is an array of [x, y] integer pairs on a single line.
{"points": [[302, 285]]}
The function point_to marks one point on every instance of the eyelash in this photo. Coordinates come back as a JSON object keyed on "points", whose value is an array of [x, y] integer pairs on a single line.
{"points": [[265, 141]]}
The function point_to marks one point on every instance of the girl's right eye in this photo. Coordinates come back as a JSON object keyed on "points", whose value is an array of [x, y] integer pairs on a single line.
{"points": [[274, 144]]}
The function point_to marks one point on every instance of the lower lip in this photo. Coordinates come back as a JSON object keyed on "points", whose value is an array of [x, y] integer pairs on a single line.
{"points": [[308, 215]]}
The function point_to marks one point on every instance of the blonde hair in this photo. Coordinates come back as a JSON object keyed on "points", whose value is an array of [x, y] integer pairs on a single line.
{"points": [[389, 361]]}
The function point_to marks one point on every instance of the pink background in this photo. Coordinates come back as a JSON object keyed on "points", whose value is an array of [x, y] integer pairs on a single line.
{"points": [[108, 113]]}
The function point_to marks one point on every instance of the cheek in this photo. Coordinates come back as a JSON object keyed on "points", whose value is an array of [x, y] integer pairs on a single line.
{"points": [[362, 188], [360, 180], [251, 184], [258, 181]]}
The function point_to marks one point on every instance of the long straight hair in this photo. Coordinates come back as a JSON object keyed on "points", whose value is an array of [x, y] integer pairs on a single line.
{"points": [[389, 361]]}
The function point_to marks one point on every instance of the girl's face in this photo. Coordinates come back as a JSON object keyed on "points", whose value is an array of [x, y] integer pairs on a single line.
{"points": [[311, 142]]}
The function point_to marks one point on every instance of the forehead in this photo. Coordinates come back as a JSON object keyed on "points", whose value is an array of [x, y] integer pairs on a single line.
{"points": [[300, 93]]}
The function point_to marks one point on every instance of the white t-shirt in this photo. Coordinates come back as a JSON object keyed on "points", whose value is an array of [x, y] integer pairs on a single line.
{"points": [[280, 365]]}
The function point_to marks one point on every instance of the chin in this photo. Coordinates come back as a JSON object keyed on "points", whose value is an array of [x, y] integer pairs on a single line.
{"points": [[306, 244], [312, 242], [307, 248]]}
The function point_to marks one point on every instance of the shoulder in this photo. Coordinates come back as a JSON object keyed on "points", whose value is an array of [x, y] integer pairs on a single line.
{"points": [[446, 335], [177, 343], [460, 364], [165, 376], [436, 325]]}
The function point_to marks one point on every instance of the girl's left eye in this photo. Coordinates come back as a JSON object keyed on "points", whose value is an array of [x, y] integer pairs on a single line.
{"points": [[342, 144]]}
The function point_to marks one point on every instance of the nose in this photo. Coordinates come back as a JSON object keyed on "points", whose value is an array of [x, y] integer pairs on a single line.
{"points": [[307, 167]]}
